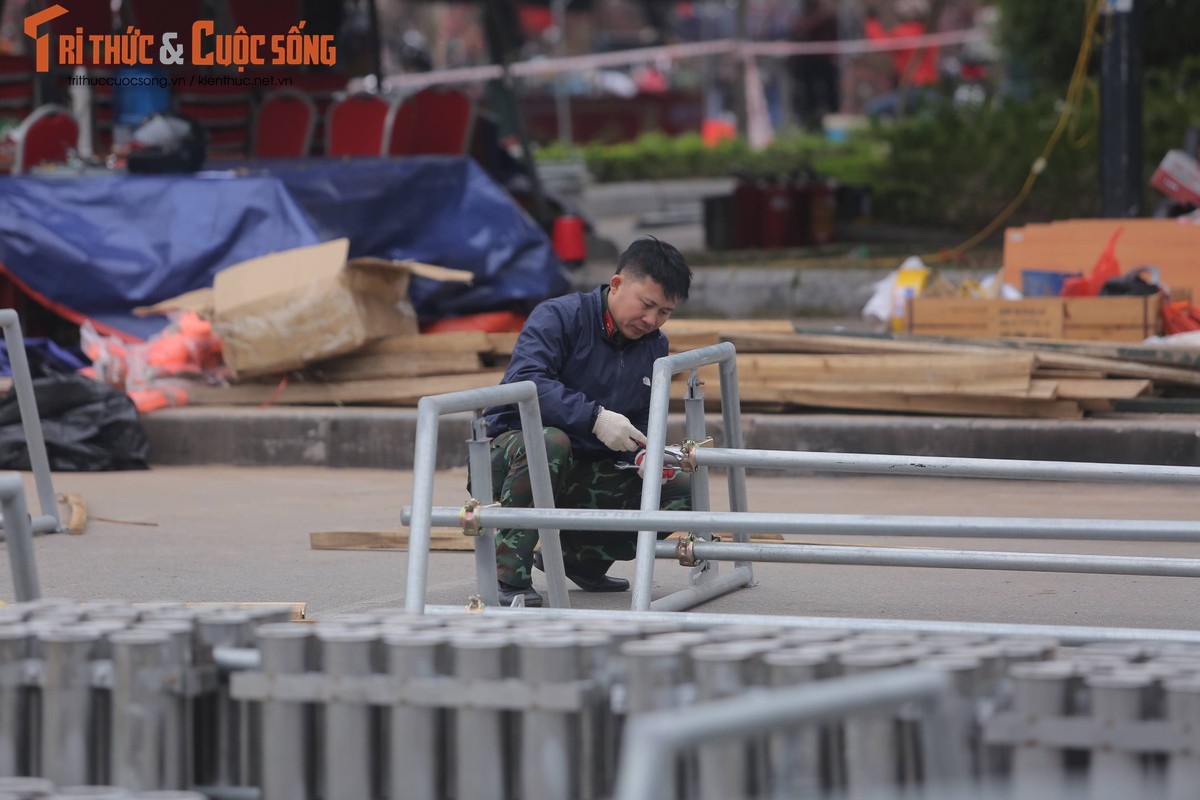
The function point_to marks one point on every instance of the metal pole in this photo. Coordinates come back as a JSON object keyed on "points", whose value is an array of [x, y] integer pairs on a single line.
{"points": [[31, 423], [1183, 709], [693, 409], [416, 733], [19, 537], [284, 647], [656, 440], [836, 524], [139, 700], [1067, 634], [561, 96], [703, 591], [550, 745], [1121, 111], [543, 497], [723, 768], [1041, 691], [479, 758], [929, 466], [480, 465], [794, 752], [653, 740], [731, 413], [14, 724], [178, 734], [1117, 700], [950, 559], [346, 653], [66, 704]]}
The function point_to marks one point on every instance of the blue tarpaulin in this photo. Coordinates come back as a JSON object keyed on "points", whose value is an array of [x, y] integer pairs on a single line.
{"points": [[97, 247]]}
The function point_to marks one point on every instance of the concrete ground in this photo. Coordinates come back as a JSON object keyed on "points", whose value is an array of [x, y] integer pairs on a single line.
{"points": [[241, 534]]}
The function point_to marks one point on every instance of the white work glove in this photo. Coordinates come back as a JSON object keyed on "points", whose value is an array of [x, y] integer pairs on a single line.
{"points": [[668, 472], [617, 432]]}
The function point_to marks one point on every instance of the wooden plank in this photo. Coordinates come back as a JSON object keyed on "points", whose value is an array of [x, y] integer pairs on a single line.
{"points": [[1112, 389], [502, 343], [1046, 373], [378, 366], [297, 610], [457, 342], [691, 334], [449, 539], [1006, 374], [1113, 318], [395, 392], [955, 405], [810, 343]]}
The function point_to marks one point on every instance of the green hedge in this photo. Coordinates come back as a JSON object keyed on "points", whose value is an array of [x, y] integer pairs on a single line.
{"points": [[945, 166]]}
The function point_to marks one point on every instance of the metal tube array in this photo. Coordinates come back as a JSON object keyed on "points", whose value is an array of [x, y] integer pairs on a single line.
{"points": [[31, 424], [507, 704]]}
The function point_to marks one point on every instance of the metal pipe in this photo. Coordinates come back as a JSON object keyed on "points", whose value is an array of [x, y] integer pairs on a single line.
{"points": [[346, 654], [14, 724], [1118, 700], [931, 466], [480, 764], [1183, 709], [1041, 691], [31, 423], [652, 740], [543, 497], [656, 439], [416, 732], [479, 459], [18, 537], [951, 559], [693, 408], [284, 647], [703, 591], [550, 746], [695, 620], [139, 700], [836, 524], [731, 414], [429, 410], [66, 704]]}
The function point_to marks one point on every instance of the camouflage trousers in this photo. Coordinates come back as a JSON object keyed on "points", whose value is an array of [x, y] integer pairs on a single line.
{"points": [[577, 483]]}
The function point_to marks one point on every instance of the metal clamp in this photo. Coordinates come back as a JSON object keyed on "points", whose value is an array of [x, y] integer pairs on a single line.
{"points": [[684, 551], [687, 462], [469, 516]]}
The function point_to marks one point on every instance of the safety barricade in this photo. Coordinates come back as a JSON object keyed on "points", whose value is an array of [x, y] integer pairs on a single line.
{"points": [[558, 704]]}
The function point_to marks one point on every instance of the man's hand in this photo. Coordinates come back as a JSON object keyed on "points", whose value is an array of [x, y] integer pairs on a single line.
{"points": [[617, 432], [668, 472]]}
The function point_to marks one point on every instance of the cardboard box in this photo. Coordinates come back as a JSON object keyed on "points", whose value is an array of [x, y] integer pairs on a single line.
{"points": [[287, 309], [1111, 319]]}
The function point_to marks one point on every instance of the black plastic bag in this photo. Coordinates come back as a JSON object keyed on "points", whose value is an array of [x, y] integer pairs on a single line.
{"points": [[88, 427], [1136, 282]]}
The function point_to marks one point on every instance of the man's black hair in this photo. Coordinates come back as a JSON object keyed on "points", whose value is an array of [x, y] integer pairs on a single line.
{"points": [[660, 262]]}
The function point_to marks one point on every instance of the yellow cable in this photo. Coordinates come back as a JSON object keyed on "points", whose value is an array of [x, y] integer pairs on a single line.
{"points": [[1071, 105]]}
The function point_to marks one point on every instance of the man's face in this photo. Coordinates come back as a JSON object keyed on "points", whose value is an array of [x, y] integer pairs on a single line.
{"points": [[638, 305]]}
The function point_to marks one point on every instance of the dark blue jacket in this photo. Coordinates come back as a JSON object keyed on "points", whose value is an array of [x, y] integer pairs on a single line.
{"points": [[578, 368]]}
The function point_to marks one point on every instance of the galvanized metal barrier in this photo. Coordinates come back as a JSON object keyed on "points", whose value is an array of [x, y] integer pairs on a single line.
{"points": [[429, 413], [559, 704], [47, 520], [703, 555]]}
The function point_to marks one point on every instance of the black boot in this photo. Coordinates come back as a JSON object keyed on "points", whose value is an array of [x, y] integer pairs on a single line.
{"points": [[589, 582], [508, 593]]}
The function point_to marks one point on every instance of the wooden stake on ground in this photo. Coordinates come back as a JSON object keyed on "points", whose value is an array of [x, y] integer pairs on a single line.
{"points": [[77, 512]]}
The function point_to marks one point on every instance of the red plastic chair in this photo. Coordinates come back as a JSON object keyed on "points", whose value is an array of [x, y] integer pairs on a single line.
{"points": [[430, 122], [18, 86], [283, 126], [46, 135], [354, 126]]}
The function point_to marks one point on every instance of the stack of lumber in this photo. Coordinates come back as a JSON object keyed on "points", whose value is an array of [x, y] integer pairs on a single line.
{"points": [[992, 378], [396, 371]]}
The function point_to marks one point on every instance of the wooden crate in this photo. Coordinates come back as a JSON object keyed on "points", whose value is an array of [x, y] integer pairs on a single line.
{"points": [[1110, 319]]}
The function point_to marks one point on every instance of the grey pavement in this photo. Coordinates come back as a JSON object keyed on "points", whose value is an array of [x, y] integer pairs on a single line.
{"points": [[231, 534]]}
